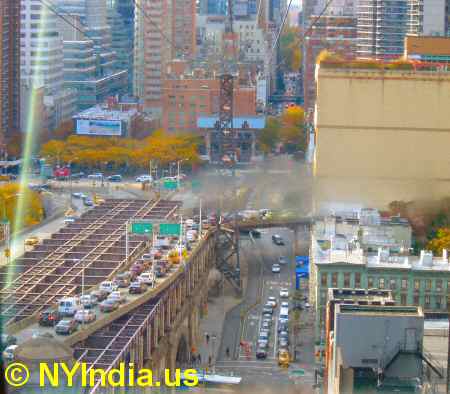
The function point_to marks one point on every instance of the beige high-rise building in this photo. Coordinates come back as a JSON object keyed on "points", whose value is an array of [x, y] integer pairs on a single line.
{"points": [[164, 30], [381, 136]]}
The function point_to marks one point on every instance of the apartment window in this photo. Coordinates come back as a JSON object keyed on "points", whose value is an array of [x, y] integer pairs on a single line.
{"points": [[346, 279], [370, 282], [403, 299], [381, 283], [334, 279], [324, 280], [416, 284], [404, 284], [357, 280], [427, 301], [428, 284], [393, 284], [438, 302], [439, 285], [416, 300]]}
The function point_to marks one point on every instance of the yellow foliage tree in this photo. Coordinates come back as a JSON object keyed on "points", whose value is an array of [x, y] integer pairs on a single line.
{"points": [[440, 242], [33, 211]]}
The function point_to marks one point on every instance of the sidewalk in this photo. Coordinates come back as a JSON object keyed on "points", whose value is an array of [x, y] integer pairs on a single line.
{"points": [[212, 324]]}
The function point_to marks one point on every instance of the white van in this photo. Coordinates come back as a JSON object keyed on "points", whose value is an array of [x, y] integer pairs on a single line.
{"points": [[284, 315], [68, 306]]}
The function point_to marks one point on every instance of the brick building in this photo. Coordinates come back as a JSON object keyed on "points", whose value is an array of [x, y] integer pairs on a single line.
{"points": [[190, 96], [157, 22], [335, 33]]}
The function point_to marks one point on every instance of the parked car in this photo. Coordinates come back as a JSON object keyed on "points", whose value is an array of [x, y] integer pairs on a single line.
{"points": [[285, 304], [144, 178], [49, 318], [284, 293], [108, 286], [265, 325], [100, 295], [277, 240], [85, 316], [283, 326], [66, 327], [118, 296], [109, 305], [115, 178], [137, 288], [267, 321], [88, 301], [8, 353], [276, 268], [31, 241]]}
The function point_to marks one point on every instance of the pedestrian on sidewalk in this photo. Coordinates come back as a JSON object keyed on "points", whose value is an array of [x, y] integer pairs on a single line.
{"points": [[199, 359], [227, 352], [209, 361], [207, 338]]}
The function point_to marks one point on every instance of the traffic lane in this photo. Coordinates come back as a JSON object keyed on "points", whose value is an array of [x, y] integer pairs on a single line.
{"points": [[271, 286]]}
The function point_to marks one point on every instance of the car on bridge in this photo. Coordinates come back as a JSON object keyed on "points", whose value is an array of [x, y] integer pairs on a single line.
{"points": [[109, 305], [123, 280], [99, 295], [137, 288], [66, 327], [147, 278], [118, 296], [88, 301], [68, 306], [49, 318], [85, 316], [108, 286]]}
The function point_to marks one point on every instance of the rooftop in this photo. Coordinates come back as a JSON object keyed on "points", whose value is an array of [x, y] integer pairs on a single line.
{"points": [[254, 122], [397, 310], [427, 45], [103, 113]]}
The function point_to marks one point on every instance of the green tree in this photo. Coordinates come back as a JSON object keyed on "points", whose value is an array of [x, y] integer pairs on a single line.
{"points": [[290, 48], [270, 135]]}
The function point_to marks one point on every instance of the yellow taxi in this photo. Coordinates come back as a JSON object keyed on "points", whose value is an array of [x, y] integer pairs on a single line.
{"points": [[283, 358], [31, 241]]}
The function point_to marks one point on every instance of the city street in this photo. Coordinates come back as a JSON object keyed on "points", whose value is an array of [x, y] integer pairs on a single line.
{"points": [[262, 283]]}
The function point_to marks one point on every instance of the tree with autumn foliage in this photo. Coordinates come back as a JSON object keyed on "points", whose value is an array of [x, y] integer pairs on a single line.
{"points": [[290, 48], [116, 153], [440, 242], [33, 210]]}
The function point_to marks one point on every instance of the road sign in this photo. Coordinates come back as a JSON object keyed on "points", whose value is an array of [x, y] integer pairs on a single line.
{"points": [[141, 228], [170, 185], [170, 229]]}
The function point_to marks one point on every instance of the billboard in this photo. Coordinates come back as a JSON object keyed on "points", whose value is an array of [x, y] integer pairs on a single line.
{"points": [[99, 127]]}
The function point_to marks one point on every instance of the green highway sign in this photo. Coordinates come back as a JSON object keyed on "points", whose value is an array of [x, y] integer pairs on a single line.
{"points": [[170, 229], [141, 228], [170, 185]]}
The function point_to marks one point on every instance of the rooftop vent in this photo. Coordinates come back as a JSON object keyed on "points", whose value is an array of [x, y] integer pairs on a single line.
{"points": [[426, 258]]}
